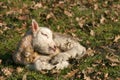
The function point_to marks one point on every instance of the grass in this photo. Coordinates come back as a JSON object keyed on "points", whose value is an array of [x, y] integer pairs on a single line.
{"points": [[16, 17]]}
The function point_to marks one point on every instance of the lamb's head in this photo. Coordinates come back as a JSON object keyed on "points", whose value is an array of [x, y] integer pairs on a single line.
{"points": [[42, 39]]}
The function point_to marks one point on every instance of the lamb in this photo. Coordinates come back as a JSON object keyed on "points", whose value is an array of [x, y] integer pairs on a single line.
{"points": [[42, 49]]}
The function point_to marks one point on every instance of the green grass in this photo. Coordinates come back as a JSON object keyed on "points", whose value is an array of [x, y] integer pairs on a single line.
{"points": [[104, 34]]}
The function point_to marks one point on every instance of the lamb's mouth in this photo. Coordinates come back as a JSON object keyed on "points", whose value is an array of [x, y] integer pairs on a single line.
{"points": [[53, 48]]}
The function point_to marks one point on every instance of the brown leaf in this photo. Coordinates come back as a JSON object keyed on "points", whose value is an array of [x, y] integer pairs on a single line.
{"points": [[5, 7], [73, 34], [38, 5], [113, 59], [108, 49], [1, 3], [85, 76], [102, 20], [92, 33], [23, 17], [105, 75], [53, 71], [118, 78], [81, 24], [19, 69], [97, 61], [1, 32], [2, 24], [58, 27], [24, 76], [61, 4], [77, 19], [71, 73], [0, 61], [116, 38], [2, 78], [68, 13], [7, 71], [49, 15], [89, 70], [90, 52], [114, 64], [95, 6], [10, 12], [81, 21]]}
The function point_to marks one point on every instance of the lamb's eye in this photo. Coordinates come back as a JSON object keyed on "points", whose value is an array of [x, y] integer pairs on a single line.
{"points": [[44, 34]]}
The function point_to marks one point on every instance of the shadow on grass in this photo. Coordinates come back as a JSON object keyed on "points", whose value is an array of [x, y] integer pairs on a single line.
{"points": [[7, 60]]}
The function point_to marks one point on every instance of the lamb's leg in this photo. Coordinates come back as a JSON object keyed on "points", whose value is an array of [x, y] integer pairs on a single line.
{"points": [[62, 65], [71, 48], [39, 65], [76, 52]]}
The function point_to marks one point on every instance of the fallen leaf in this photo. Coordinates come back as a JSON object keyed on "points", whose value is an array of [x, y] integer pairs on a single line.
{"points": [[10, 12], [71, 73], [114, 64], [73, 34], [1, 32], [92, 33], [58, 27], [114, 19], [81, 24], [1, 3], [81, 21], [23, 17], [0, 61], [88, 42], [77, 19], [90, 52], [7, 71], [95, 6], [94, 65], [5, 7], [38, 5], [55, 71], [19, 69], [107, 12], [105, 75], [97, 75], [2, 24], [5, 28], [113, 59], [89, 70], [2, 78], [85, 76], [118, 78], [68, 13], [102, 20], [61, 4], [116, 38], [108, 49], [49, 15], [24, 76]]}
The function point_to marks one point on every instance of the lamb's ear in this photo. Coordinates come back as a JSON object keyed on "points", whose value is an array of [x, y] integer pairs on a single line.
{"points": [[35, 26]]}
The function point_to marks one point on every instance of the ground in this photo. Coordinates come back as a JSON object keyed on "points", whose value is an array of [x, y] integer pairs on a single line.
{"points": [[96, 24]]}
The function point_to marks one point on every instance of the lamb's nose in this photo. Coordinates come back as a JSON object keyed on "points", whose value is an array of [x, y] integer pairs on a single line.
{"points": [[53, 48]]}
